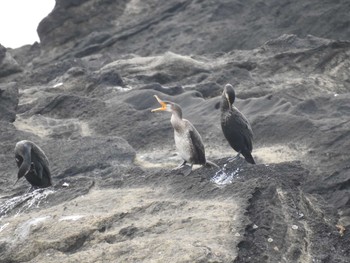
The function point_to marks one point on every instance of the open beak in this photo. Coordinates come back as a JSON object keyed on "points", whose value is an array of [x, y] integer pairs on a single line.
{"points": [[162, 103]]}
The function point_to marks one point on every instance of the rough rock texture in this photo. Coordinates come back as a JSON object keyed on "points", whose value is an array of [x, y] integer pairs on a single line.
{"points": [[8, 101], [8, 65], [85, 95], [187, 26]]}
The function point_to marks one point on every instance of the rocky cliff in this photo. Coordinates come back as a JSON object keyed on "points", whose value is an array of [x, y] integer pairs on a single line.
{"points": [[85, 94]]}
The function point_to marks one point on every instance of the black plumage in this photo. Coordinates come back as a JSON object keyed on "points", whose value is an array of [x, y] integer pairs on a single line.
{"points": [[235, 126], [33, 164]]}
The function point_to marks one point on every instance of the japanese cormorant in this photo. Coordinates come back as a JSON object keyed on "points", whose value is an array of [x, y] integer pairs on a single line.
{"points": [[235, 126], [188, 141], [33, 164]]}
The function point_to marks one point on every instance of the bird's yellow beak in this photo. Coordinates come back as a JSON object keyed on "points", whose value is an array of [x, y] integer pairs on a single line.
{"points": [[162, 103]]}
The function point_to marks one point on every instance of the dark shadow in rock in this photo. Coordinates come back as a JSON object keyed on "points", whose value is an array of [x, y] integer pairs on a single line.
{"points": [[66, 106], [175, 90], [208, 89], [109, 78], [129, 232], [159, 77]]}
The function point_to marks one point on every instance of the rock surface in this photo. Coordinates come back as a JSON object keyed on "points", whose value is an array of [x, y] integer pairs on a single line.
{"points": [[85, 94], [8, 65]]}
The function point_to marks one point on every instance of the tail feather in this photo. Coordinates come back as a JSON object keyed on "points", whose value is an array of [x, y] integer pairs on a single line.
{"points": [[249, 158]]}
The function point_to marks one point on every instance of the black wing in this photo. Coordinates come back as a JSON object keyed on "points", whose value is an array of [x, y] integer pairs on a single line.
{"points": [[198, 147], [41, 164], [237, 131]]}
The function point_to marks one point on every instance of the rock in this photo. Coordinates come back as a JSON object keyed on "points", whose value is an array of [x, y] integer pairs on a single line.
{"points": [[180, 26], [8, 65], [166, 90], [63, 26], [85, 96], [8, 101], [110, 78], [115, 218], [208, 89]]}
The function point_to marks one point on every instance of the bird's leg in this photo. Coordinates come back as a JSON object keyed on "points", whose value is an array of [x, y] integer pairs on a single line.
{"points": [[34, 188], [240, 163], [211, 164], [188, 170], [28, 190], [234, 158], [180, 166]]}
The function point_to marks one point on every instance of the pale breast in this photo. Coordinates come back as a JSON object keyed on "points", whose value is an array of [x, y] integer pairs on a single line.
{"points": [[183, 145]]}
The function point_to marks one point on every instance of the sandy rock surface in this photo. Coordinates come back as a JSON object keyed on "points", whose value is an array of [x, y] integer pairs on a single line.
{"points": [[85, 94]]}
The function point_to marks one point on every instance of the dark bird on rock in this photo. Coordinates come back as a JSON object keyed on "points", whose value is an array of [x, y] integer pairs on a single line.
{"points": [[188, 141], [33, 164], [235, 126]]}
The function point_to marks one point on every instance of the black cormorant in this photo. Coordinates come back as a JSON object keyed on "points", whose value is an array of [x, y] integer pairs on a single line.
{"points": [[33, 164], [235, 125], [188, 141]]}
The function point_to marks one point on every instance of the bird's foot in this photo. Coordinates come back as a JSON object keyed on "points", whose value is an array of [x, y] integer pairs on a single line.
{"points": [[186, 172], [239, 163], [233, 158], [180, 166], [183, 169], [211, 164], [177, 168], [31, 189]]}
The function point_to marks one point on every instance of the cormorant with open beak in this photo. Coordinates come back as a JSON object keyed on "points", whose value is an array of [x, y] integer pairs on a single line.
{"points": [[188, 141], [33, 164], [235, 126]]}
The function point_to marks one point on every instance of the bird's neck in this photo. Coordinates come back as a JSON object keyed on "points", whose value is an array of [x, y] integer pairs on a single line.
{"points": [[225, 106], [176, 121]]}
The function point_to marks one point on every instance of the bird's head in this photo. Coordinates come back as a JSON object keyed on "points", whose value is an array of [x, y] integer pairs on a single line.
{"points": [[168, 106], [23, 156], [229, 94], [165, 105]]}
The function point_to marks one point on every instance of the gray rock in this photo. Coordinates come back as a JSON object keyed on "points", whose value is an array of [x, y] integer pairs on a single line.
{"points": [[8, 101], [185, 27], [85, 97], [63, 27], [8, 65]]}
